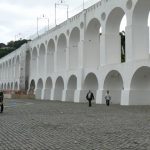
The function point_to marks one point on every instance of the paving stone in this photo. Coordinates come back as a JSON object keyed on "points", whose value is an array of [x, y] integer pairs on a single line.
{"points": [[50, 125]]}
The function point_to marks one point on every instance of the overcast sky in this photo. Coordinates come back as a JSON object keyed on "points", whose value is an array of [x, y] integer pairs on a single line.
{"points": [[18, 17]]}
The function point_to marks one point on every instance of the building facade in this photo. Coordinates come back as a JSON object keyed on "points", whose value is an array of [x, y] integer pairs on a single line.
{"points": [[84, 53]]}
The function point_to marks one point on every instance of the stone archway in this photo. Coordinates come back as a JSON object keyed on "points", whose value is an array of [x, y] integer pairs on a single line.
{"points": [[17, 67], [16, 88], [50, 56], [74, 48], [114, 83], [61, 52], [34, 62], [71, 87], [48, 87], [92, 44], [59, 87], [11, 85], [112, 36], [140, 87], [8, 86], [90, 83], [41, 59], [38, 93], [32, 87]]}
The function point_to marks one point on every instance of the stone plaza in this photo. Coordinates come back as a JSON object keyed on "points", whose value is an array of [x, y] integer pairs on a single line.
{"points": [[56, 125]]}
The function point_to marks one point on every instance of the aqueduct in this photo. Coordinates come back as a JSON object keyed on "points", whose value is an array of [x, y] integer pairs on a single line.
{"points": [[83, 53]]}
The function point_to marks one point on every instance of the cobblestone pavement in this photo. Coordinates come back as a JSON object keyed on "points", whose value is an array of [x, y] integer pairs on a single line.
{"points": [[49, 125]]}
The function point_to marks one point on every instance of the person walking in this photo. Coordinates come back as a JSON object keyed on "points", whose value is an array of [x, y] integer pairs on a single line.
{"points": [[90, 97], [107, 98]]}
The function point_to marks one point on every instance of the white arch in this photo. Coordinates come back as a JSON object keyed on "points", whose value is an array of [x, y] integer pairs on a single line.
{"points": [[48, 87], [74, 48], [113, 41], [50, 56], [140, 46], [71, 87], [39, 89], [90, 83], [17, 65], [41, 59], [32, 87], [16, 88], [34, 61], [92, 44], [140, 87], [11, 85], [8, 86], [114, 83], [61, 52], [59, 87]]}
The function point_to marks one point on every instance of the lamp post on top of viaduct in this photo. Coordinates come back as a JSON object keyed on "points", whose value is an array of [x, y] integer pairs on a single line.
{"points": [[39, 18], [62, 4]]}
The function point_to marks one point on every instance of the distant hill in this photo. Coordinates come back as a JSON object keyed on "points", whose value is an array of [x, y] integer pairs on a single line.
{"points": [[11, 46]]}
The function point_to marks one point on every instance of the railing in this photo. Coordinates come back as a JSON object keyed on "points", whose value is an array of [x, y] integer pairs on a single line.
{"points": [[72, 13]]}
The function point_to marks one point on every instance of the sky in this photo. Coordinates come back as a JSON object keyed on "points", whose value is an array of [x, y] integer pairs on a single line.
{"points": [[18, 18]]}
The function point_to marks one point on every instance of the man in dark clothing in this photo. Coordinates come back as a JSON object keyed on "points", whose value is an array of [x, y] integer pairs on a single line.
{"points": [[90, 97], [107, 98], [1, 101]]}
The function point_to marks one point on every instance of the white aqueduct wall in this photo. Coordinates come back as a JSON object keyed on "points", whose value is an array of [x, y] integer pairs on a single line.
{"points": [[74, 57]]}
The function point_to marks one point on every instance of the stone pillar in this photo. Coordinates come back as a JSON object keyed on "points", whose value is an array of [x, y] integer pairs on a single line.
{"points": [[136, 47], [99, 96], [125, 97]]}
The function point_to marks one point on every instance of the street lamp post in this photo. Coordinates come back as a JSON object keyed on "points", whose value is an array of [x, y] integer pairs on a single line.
{"points": [[39, 18], [83, 4], [57, 4]]}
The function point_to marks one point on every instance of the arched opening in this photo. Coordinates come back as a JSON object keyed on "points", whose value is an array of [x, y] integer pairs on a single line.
{"points": [[11, 85], [74, 48], [17, 71], [2, 86], [90, 83], [92, 44], [71, 87], [27, 69], [114, 83], [48, 87], [34, 62], [41, 60], [61, 52], [32, 87], [38, 93], [16, 88], [4, 70], [8, 86], [123, 25], [6, 75], [5, 86], [13, 68], [59, 87], [140, 87], [140, 29], [113, 38], [50, 56], [9, 69]]}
